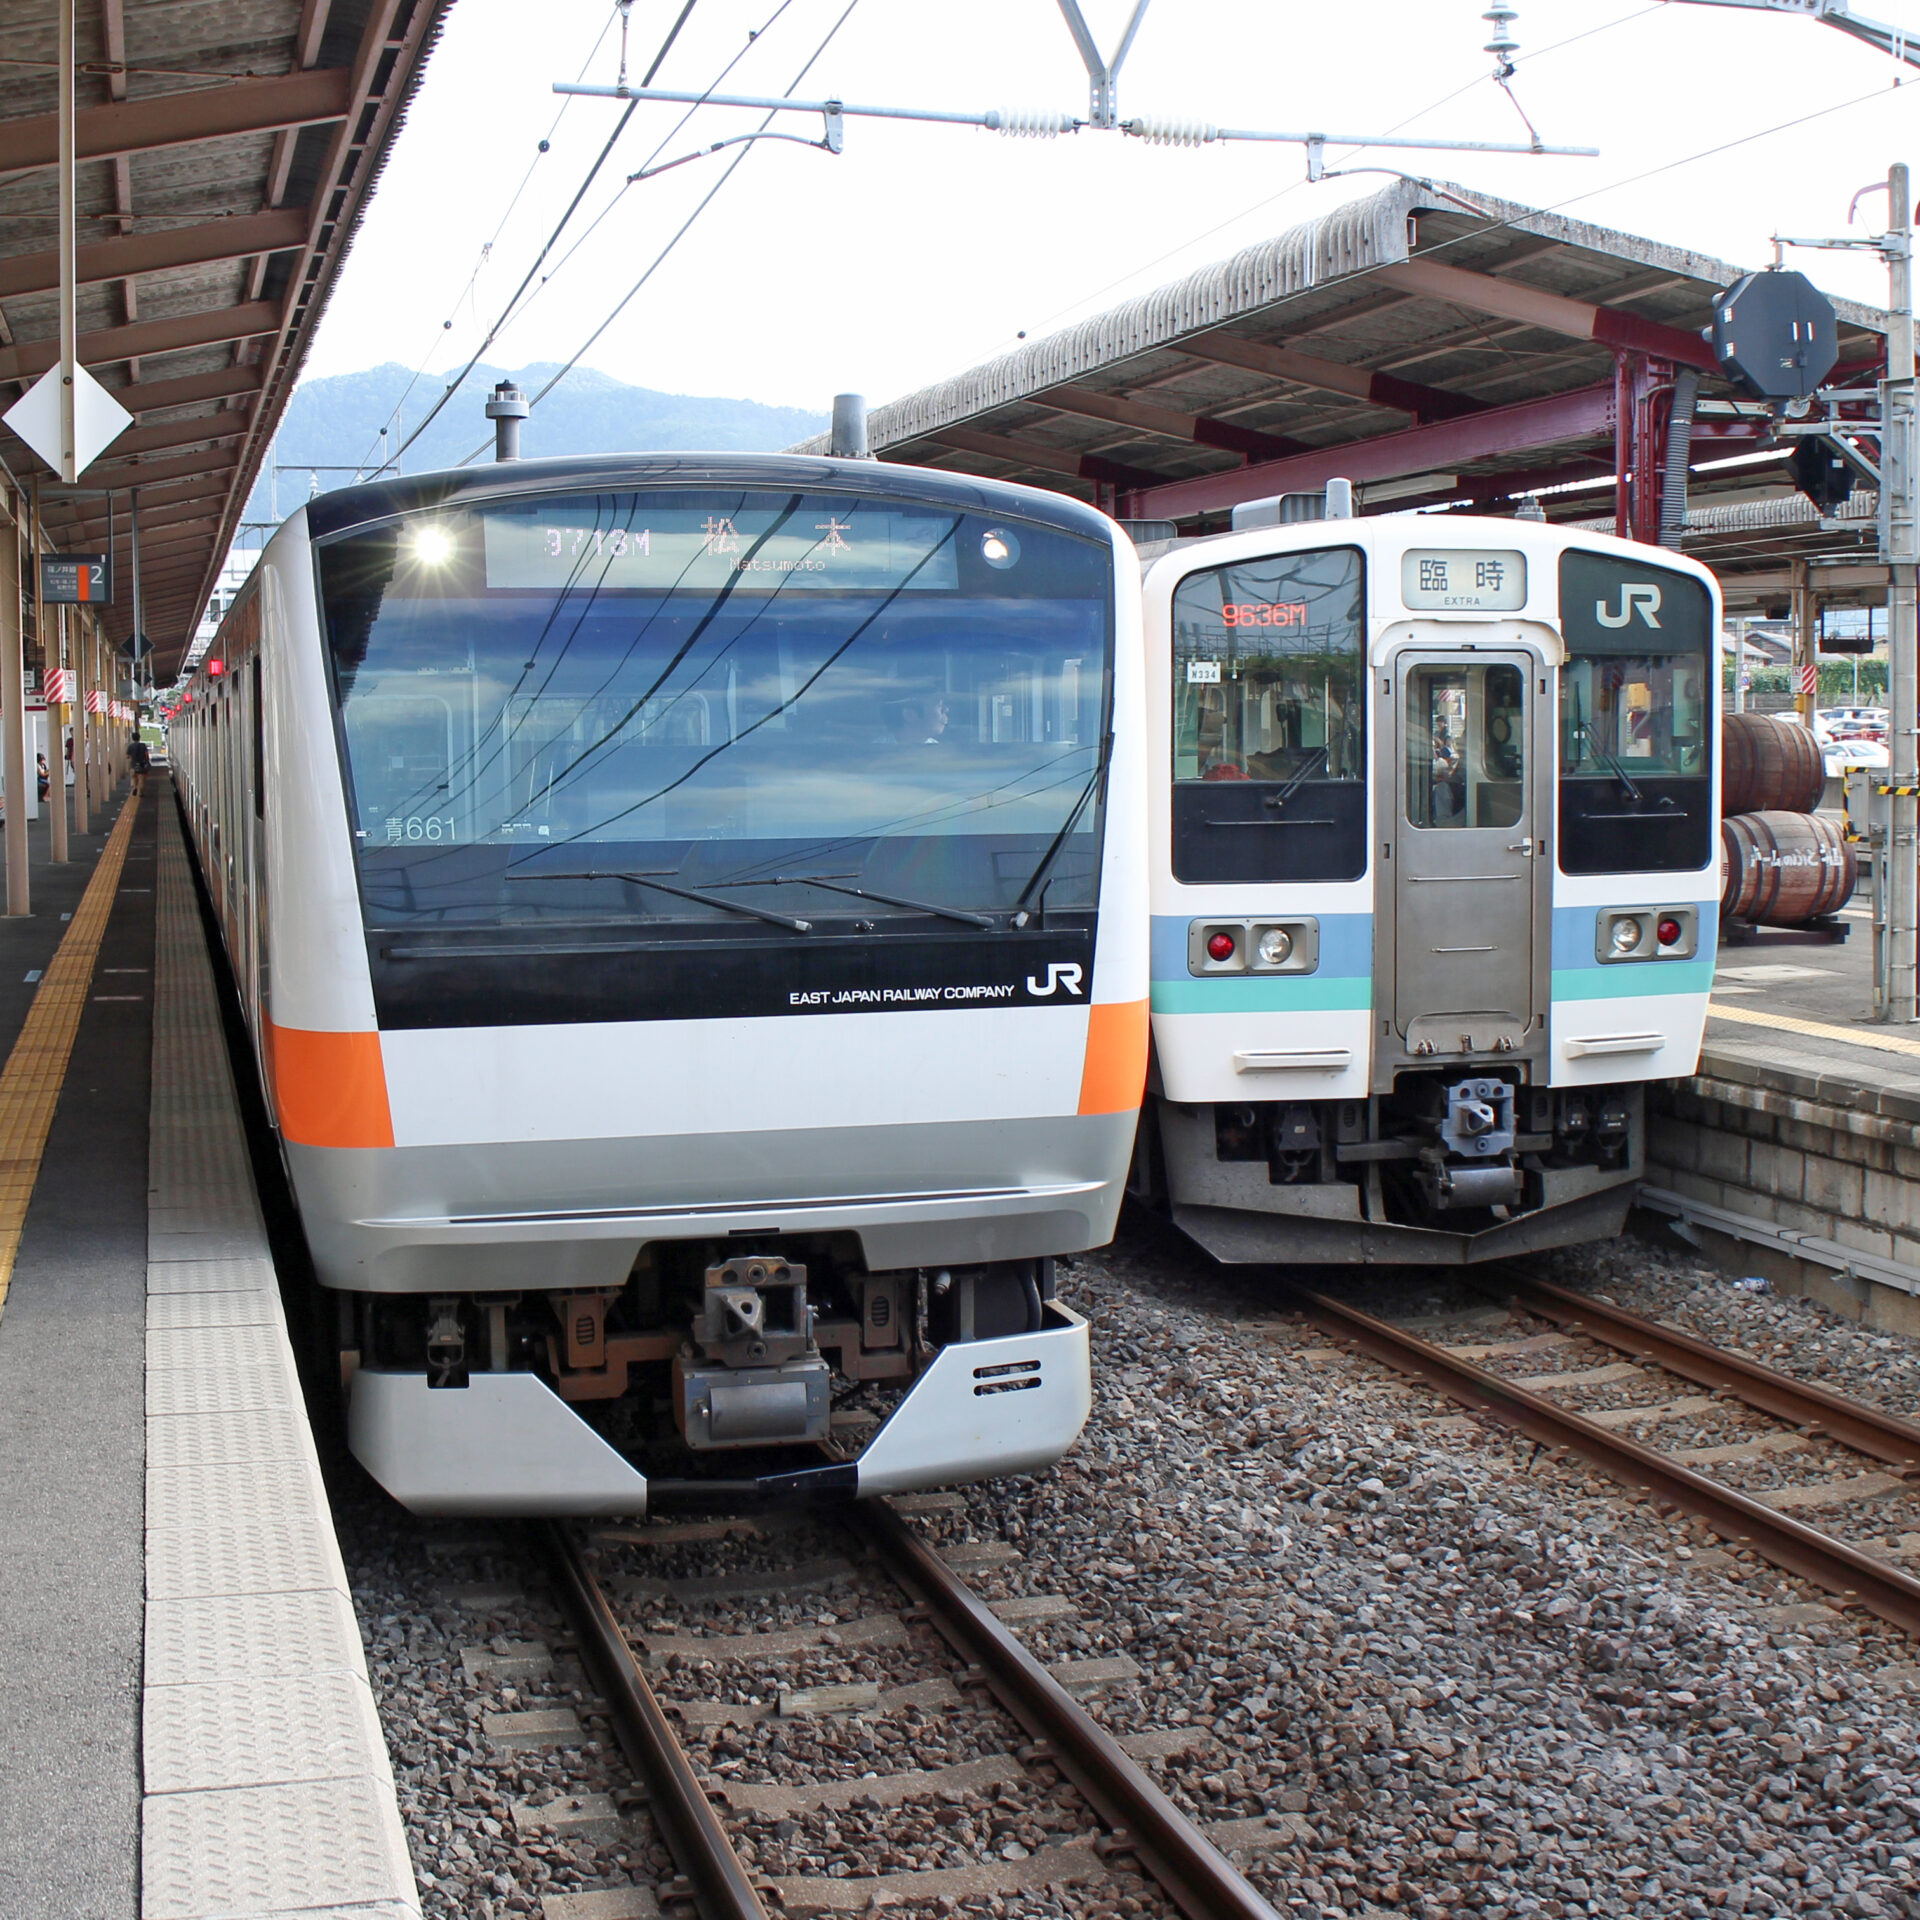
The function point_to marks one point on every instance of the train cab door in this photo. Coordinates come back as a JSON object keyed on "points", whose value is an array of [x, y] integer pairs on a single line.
{"points": [[1463, 849]]}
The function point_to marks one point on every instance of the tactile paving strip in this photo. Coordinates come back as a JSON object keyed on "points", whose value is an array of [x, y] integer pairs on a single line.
{"points": [[36, 1069], [268, 1789]]}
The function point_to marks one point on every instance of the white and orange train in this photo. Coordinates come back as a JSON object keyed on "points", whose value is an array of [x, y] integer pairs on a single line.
{"points": [[690, 918]]}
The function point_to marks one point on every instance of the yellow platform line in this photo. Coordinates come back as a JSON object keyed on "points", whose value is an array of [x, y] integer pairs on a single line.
{"points": [[36, 1069], [1783, 1022]]}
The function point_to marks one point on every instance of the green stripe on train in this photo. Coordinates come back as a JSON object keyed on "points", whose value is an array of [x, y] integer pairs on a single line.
{"points": [[1629, 981], [1275, 993]]}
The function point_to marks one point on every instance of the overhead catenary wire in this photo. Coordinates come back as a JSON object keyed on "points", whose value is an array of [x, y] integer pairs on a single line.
{"points": [[487, 246], [1295, 186], [647, 168], [680, 233], [580, 193]]}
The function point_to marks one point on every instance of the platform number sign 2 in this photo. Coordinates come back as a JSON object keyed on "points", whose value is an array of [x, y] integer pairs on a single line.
{"points": [[75, 579]]}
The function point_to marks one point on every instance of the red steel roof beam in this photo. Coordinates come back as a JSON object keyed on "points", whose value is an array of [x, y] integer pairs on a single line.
{"points": [[1553, 312], [1330, 376], [1076, 466], [1444, 445], [1167, 423]]}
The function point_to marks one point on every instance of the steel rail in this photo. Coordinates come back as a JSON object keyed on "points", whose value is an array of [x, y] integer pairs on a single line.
{"points": [[1840, 1568], [1866, 1429], [722, 1889], [1189, 1868]]}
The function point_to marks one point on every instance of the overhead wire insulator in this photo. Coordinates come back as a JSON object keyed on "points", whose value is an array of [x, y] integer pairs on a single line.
{"points": [[1503, 46], [1033, 123], [1171, 133]]}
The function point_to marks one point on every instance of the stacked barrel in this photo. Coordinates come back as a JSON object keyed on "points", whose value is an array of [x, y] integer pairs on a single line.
{"points": [[1781, 863]]}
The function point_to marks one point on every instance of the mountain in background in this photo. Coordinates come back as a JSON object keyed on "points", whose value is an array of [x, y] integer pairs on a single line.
{"points": [[335, 423]]}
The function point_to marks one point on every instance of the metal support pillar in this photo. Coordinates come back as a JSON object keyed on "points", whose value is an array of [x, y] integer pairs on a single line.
{"points": [[52, 652], [1653, 406], [56, 656], [1805, 644], [1623, 423], [13, 711], [77, 722], [1902, 483]]}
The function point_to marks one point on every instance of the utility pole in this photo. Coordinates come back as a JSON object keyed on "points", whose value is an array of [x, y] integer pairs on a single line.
{"points": [[1900, 548]]}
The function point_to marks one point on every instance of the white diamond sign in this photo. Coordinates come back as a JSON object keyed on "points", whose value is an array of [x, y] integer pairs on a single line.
{"points": [[98, 418]]}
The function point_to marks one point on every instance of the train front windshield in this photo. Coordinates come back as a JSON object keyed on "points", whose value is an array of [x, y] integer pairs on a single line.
{"points": [[707, 706], [1636, 717]]}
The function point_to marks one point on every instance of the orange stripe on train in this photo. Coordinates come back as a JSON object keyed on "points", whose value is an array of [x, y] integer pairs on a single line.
{"points": [[1115, 1075], [329, 1089]]}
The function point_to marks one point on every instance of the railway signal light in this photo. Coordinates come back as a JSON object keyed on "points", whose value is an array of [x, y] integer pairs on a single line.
{"points": [[1821, 472], [1775, 335]]}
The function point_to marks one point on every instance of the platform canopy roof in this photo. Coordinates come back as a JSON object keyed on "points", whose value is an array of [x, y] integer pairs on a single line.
{"points": [[226, 151], [1432, 344]]}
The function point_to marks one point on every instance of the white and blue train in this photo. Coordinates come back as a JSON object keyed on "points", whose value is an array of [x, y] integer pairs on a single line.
{"points": [[1434, 873]]}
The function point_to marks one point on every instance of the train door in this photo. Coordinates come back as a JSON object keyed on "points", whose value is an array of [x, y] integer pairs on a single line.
{"points": [[1463, 848]]}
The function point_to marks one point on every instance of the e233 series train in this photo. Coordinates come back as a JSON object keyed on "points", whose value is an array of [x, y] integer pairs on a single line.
{"points": [[1434, 855], [690, 920]]}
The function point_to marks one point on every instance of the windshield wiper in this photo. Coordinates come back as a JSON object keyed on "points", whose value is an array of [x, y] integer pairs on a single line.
{"points": [[683, 893], [1020, 899], [830, 881], [1306, 767], [1612, 765]]}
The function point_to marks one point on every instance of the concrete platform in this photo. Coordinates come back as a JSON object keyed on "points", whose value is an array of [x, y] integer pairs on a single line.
{"points": [[1794, 1152], [186, 1729]]}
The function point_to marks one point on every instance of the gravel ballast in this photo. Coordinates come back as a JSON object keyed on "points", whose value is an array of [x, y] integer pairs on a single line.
{"points": [[1444, 1673]]}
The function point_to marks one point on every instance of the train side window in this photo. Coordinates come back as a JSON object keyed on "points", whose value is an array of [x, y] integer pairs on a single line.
{"points": [[1269, 719]]}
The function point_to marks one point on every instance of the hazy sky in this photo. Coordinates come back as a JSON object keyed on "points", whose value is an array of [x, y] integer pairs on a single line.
{"points": [[922, 250]]}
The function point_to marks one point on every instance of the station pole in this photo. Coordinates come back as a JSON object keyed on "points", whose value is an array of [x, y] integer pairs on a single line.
{"points": [[50, 655], [82, 679], [1902, 520], [1806, 662], [56, 755], [13, 712]]}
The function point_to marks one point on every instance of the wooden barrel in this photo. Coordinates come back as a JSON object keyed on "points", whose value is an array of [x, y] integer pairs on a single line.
{"points": [[1767, 763], [1781, 869]]}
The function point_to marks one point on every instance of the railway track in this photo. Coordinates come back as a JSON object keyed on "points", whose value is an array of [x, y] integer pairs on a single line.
{"points": [[1808, 1418], [1128, 1827]]}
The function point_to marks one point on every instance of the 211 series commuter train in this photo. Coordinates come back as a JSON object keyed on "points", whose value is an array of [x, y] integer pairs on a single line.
{"points": [[1435, 880], [689, 917]]}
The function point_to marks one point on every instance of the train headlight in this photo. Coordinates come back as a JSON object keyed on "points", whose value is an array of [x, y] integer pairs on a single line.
{"points": [[999, 548], [432, 545], [1625, 936], [1275, 944]]}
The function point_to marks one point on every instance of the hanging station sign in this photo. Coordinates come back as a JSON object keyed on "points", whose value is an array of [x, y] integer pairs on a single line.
{"points": [[75, 579]]}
